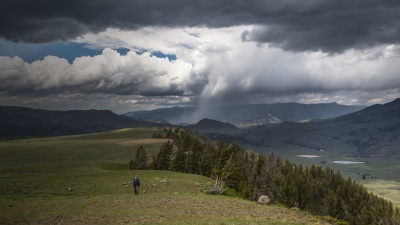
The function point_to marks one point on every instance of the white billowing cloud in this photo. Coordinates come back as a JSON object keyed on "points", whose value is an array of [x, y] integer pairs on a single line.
{"points": [[168, 41], [223, 66], [213, 66], [109, 72], [246, 71]]}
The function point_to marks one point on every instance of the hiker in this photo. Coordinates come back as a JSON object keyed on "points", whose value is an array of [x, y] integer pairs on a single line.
{"points": [[136, 184]]}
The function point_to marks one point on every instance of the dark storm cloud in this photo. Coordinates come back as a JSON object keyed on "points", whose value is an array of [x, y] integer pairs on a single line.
{"points": [[44, 20], [326, 25], [331, 26]]}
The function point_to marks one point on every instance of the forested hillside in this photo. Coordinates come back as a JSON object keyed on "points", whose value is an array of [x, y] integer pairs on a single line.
{"points": [[315, 189]]}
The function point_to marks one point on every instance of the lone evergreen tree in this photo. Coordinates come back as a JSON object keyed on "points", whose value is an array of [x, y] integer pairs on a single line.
{"points": [[140, 162]]}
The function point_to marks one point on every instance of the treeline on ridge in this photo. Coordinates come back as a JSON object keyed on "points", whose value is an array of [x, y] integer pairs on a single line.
{"points": [[314, 189]]}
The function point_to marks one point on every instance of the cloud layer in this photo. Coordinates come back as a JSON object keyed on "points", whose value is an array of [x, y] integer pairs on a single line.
{"points": [[227, 52], [311, 25], [110, 72], [213, 66]]}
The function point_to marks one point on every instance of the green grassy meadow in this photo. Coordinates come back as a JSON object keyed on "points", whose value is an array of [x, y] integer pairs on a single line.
{"points": [[84, 179]]}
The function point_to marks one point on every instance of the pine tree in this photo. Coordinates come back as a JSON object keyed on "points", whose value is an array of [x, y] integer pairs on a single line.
{"points": [[224, 152], [207, 160], [178, 162], [270, 176], [140, 162], [196, 150], [233, 173], [164, 156]]}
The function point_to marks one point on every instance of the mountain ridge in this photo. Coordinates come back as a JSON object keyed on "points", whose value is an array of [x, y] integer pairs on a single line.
{"points": [[249, 114], [20, 122], [370, 132]]}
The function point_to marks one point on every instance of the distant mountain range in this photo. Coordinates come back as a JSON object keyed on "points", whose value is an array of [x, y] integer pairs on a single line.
{"points": [[21, 122], [370, 132], [247, 115]]}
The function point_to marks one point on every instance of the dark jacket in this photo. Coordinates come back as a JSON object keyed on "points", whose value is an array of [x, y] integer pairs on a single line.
{"points": [[136, 182]]}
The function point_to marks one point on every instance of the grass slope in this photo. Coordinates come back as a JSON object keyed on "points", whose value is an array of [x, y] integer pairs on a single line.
{"points": [[84, 179]]}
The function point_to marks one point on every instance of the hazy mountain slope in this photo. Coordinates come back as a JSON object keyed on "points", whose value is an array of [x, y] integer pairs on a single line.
{"points": [[26, 122], [285, 111], [371, 132], [375, 130], [173, 115], [245, 115], [381, 114]]}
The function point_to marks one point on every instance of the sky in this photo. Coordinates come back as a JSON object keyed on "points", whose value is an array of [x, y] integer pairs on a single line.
{"points": [[129, 55]]}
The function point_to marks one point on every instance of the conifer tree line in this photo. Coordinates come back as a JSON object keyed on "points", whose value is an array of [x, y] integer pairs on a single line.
{"points": [[314, 189]]}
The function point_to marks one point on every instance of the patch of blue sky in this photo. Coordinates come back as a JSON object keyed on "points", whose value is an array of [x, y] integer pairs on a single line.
{"points": [[122, 51], [32, 52], [67, 50], [171, 57], [158, 54]]}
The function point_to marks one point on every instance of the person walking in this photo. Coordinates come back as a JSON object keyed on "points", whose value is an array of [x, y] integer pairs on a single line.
{"points": [[136, 184]]}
